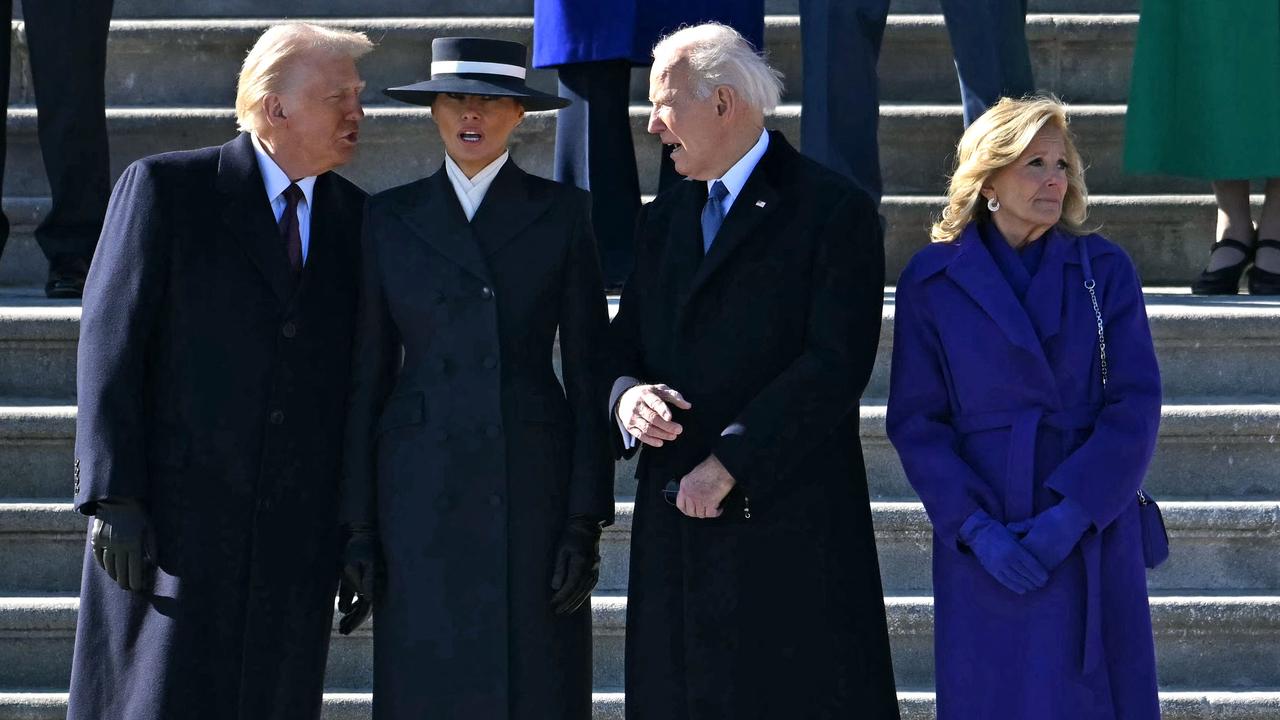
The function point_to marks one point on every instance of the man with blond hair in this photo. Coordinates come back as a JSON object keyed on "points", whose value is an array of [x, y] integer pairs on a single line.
{"points": [[212, 375], [743, 341]]}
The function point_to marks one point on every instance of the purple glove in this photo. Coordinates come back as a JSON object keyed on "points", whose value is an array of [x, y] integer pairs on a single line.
{"points": [[1000, 554], [1054, 533]]}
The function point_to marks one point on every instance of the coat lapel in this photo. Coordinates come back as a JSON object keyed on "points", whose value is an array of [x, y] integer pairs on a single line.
{"points": [[1045, 295], [328, 217], [435, 216], [247, 214], [756, 202], [683, 254], [508, 208], [975, 272]]}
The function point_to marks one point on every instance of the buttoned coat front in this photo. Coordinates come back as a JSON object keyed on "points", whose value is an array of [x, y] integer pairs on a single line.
{"points": [[466, 451], [212, 387], [775, 609], [998, 405]]}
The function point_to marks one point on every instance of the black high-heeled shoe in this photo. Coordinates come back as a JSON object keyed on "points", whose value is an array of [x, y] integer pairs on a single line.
{"points": [[1264, 282], [1224, 280]]}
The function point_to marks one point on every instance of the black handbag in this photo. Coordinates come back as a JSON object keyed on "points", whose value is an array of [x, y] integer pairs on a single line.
{"points": [[1155, 538]]}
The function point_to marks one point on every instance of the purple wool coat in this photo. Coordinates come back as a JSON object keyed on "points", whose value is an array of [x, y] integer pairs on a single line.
{"points": [[998, 405]]}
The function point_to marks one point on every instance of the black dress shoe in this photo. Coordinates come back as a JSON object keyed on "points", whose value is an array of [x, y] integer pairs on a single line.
{"points": [[66, 279], [1225, 280], [1264, 282]]}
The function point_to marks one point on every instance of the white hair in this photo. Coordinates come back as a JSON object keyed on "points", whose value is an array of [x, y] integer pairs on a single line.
{"points": [[717, 54], [265, 67]]}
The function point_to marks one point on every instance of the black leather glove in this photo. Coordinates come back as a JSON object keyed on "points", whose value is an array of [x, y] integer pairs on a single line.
{"points": [[359, 577], [122, 542], [577, 566]]}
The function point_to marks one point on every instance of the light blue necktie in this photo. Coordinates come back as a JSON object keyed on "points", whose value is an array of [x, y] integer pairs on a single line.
{"points": [[713, 214]]}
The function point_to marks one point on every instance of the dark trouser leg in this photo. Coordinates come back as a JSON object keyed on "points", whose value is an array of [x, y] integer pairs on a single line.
{"points": [[68, 45], [594, 151], [840, 46], [5, 49], [989, 40]]}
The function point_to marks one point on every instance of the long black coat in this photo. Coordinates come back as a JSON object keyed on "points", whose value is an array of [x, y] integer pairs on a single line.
{"points": [[771, 336], [212, 387], [469, 455]]}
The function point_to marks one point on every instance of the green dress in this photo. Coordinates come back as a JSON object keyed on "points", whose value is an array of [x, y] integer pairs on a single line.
{"points": [[1205, 98]]}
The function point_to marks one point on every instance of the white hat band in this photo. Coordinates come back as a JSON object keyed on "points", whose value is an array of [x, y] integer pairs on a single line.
{"points": [[448, 67]]}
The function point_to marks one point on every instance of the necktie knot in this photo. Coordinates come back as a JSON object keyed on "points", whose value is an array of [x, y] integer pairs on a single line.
{"points": [[713, 214], [718, 191], [293, 195]]}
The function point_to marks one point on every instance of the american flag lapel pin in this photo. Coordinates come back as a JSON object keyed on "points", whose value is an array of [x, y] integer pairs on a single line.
{"points": [[760, 203]]}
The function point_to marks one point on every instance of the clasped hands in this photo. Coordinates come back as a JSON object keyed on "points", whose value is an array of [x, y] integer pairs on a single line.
{"points": [[645, 411], [1021, 555]]}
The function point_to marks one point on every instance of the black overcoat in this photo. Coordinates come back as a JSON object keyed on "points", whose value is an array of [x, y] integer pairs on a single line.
{"points": [[468, 454], [771, 336], [212, 386]]}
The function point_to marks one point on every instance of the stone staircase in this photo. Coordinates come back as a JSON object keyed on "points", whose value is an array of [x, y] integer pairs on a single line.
{"points": [[171, 69]]}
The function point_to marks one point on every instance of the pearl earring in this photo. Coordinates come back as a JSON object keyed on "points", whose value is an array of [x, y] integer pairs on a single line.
{"points": [[993, 204]]}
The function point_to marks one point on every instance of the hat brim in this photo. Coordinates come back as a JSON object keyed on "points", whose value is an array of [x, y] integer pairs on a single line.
{"points": [[424, 93]]}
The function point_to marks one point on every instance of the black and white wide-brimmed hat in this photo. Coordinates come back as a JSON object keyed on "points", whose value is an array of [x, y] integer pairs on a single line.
{"points": [[477, 66]]}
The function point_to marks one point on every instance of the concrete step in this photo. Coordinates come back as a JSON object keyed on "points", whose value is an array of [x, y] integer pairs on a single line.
{"points": [[1206, 451], [1166, 235], [609, 704], [1217, 547], [399, 144], [1207, 346], [470, 8], [1222, 642], [1083, 58]]}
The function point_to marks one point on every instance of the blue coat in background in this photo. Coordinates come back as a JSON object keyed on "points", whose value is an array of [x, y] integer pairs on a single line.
{"points": [[997, 404], [576, 31]]}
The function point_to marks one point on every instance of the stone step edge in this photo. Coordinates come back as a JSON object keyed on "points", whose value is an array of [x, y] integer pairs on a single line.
{"points": [[1224, 418], [1175, 316], [1258, 520], [608, 704], [909, 615], [23, 117], [1039, 25]]}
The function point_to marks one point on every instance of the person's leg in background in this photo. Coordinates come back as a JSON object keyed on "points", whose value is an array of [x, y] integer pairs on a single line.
{"points": [[989, 70], [839, 120], [5, 50], [68, 46], [594, 151]]}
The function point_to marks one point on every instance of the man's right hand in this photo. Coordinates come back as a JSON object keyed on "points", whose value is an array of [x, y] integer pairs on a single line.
{"points": [[645, 411], [121, 542], [359, 577]]}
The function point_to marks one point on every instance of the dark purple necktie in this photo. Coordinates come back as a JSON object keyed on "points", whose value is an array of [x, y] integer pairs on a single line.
{"points": [[289, 231]]}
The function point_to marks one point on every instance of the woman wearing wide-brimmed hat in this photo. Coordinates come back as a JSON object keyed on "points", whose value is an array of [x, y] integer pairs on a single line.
{"points": [[476, 484]]}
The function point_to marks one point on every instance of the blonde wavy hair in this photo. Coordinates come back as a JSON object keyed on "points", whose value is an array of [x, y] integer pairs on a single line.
{"points": [[265, 68], [994, 141]]}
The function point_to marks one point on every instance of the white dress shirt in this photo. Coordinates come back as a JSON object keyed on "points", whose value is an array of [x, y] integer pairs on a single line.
{"points": [[734, 179], [471, 191], [277, 182]]}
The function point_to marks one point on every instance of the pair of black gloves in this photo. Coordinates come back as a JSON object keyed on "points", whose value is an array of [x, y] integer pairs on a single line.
{"points": [[576, 570]]}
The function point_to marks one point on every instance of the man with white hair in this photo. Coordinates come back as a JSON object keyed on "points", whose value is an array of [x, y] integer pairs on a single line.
{"points": [[744, 338], [213, 367]]}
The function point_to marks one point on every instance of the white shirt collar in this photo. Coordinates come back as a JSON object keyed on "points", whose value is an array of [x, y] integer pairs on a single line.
{"points": [[274, 178], [736, 177], [471, 191]]}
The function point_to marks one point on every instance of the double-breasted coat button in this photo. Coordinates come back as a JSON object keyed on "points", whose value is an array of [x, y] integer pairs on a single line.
{"points": [[442, 365], [277, 417], [490, 362], [289, 330], [495, 500], [486, 292], [491, 431], [443, 434]]}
